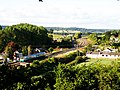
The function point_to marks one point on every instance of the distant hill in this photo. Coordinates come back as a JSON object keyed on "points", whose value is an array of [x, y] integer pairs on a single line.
{"points": [[80, 29], [83, 30], [3, 27]]}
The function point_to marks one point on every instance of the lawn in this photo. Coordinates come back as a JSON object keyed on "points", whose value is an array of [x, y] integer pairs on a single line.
{"points": [[100, 60], [56, 36]]}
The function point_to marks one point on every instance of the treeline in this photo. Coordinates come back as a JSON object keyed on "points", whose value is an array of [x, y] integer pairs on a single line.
{"points": [[39, 75], [83, 30], [91, 77], [63, 28], [24, 34], [61, 74], [111, 38], [22, 37]]}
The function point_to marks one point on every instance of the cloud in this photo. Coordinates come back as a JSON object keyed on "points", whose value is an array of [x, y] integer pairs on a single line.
{"points": [[78, 13]]}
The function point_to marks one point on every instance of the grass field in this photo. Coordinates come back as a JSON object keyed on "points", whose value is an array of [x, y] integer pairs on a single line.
{"points": [[100, 60], [55, 36]]}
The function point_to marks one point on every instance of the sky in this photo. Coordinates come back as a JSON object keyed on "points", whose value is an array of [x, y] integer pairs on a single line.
{"points": [[92, 14]]}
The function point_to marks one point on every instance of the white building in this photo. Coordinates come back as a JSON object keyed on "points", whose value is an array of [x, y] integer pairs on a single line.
{"points": [[103, 55], [108, 50]]}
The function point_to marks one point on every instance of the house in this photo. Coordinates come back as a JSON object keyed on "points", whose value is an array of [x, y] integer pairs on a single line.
{"points": [[110, 50], [103, 55]]}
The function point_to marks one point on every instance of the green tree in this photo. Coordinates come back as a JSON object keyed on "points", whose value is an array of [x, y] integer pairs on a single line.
{"points": [[24, 35], [66, 42], [29, 50], [94, 38], [88, 47], [0, 27], [25, 50], [27, 34], [51, 31], [11, 48], [50, 49], [107, 36], [77, 35]]}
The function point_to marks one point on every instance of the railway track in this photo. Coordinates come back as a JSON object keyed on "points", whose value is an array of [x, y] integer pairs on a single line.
{"points": [[83, 42]]}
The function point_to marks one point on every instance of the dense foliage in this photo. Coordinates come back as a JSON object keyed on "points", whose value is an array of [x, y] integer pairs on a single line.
{"points": [[61, 73], [78, 35], [91, 77], [109, 38], [39, 75], [49, 75], [24, 34], [0, 27]]}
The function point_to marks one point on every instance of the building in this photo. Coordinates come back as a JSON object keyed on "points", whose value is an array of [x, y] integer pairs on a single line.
{"points": [[103, 55], [110, 50]]}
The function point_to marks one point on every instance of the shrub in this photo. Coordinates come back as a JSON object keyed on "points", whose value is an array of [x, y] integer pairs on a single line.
{"points": [[91, 77], [79, 59]]}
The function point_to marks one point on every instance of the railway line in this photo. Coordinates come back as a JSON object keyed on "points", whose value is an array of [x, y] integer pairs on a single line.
{"points": [[28, 59], [26, 63], [83, 42]]}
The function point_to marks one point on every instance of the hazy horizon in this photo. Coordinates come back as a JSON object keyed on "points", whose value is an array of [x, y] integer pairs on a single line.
{"points": [[91, 14], [66, 27]]}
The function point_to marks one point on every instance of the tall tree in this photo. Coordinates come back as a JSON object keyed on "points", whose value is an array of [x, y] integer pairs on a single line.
{"points": [[0, 27], [77, 35], [24, 35]]}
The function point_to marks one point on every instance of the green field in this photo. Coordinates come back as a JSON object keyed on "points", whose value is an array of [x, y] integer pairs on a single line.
{"points": [[101, 60], [56, 36]]}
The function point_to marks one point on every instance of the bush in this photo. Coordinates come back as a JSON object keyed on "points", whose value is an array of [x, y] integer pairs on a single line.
{"points": [[50, 49], [67, 58], [92, 77], [79, 59]]}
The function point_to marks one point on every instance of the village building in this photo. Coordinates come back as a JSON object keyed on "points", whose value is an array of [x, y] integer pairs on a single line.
{"points": [[103, 55], [110, 50]]}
